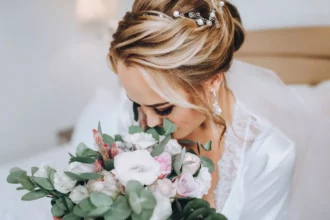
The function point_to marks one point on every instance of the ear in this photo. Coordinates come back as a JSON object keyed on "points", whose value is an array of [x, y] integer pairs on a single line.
{"points": [[214, 83]]}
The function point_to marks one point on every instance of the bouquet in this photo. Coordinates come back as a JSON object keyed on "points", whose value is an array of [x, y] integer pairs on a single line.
{"points": [[141, 175]]}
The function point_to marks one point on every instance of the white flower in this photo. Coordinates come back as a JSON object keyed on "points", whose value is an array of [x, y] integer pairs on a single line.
{"points": [[164, 187], [163, 209], [173, 147], [78, 168], [78, 194], [108, 185], [204, 179], [42, 171], [193, 163], [63, 183], [137, 165], [140, 140]]}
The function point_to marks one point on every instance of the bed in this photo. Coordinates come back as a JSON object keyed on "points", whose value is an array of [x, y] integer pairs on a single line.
{"points": [[301, 57]]}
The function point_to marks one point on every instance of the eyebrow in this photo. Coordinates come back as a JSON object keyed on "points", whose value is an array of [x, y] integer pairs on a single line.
{"points": [[154, 105]]}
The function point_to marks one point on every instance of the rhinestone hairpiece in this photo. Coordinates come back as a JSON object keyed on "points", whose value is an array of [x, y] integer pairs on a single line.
{"points": [[201, 21]]}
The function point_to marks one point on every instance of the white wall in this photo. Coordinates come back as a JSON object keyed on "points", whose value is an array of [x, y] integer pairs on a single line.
{"points": [[48, 72]]}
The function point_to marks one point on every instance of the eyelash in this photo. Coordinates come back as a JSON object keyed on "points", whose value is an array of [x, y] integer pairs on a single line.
{"points": [[158, 112]]}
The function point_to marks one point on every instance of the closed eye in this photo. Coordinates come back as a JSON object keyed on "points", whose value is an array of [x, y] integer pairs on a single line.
{"points": [[164, 112]]}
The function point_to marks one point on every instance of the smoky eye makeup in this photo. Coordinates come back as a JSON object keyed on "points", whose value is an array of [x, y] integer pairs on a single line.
{"points": [[161, 112]]}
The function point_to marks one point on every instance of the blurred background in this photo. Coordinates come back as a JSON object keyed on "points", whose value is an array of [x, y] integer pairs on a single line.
{"points": [[52, 61], [55, 84]]}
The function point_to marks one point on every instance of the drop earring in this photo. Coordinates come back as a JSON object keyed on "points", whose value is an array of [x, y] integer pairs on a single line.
{"points": [[216, 107]]}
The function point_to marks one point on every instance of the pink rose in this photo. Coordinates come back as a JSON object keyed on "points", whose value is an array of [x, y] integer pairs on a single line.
{"points": [[165, 161], [187, 186]]}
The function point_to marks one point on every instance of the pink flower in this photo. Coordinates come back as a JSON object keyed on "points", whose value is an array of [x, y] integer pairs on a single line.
{"points": [[115, 150], [98, 137], [99, 166], [187, 186], [165, 161]]}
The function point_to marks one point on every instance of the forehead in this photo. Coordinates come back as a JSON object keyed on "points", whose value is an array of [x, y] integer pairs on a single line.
{"points": [[136, 86]]}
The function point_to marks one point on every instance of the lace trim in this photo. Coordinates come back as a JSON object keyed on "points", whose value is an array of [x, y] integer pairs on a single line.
{"points": [[238, 137]]}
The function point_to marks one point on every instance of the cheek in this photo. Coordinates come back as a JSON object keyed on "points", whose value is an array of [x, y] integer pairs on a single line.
{"points": [[187, 120]]}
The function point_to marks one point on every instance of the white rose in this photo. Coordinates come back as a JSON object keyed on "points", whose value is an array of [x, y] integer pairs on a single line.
{"points": [[140, 140], [164, 187], [173, 147], [78, 194], [108, 185], [63, 183], [137, 165], [187, 186], [78, 168], [193, 163], [42, 171], [163, 209], [204, 179]]}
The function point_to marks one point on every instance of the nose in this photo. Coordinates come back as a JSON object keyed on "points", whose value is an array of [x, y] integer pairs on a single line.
{"points": [[153, 120]]}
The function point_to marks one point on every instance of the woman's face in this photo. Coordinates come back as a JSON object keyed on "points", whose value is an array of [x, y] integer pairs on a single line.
{"points": [[156, 108]]}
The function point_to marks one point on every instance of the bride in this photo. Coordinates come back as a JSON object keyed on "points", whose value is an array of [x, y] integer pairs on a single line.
{"points": [[174, 59]]}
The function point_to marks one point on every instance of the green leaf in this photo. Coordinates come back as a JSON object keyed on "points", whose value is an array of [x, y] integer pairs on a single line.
{"points": [[34, 170], [99, 199], [43, 182], [194, 205], [90, 176], [87, 160], [99, 211], [200, 213], [169, 126], [118, 138], [154, 133], [71, 156], [79, 211], [81, 149], [99, 128], [74, 176], [120, 210], [34, 195], [134, 202], [14, 177], [160, 130], [178, 206], [159, 148], [26, 183], [86, 205], [60, 202], [20, 188], [148, 200], [133, 186], [199, 146], [144, 215], [208, 146], [179, 161], [69, 204], [135, 129], [109, 165], [51, 176], [207, 162], [71, 216], [57, 211], [15, 169], [108, 139]]}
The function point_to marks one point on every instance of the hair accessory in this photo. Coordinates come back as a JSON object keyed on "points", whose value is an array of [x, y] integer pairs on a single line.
{"points": [[216, 107]]}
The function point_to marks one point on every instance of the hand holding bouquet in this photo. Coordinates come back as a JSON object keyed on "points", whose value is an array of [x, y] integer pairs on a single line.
{"points": [[141, 175]]}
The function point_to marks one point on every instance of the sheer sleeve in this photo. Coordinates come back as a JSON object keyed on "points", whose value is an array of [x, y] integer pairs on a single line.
{"points": [[267, 177]]}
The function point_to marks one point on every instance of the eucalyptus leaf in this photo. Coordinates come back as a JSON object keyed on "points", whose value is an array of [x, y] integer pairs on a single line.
{"points": [[194, 205], [207, 162], [34, 195], [20, 188], [159, 148], [208, 146], [86, 205], [118, 138], [199, 146], [87, 160], [69, 204], [179, 161], [71, 216], [34, 170], [108, 139], [188, 142], [154, 133], [169, 126], [178, 206], [148, 200], [99, 199], [14, 177], [135, 129], [78, 211], [90, 176], [51, 176], [43, 182], [120, 210], [71, 156], [109, 165], [133, 186], [26, 183], [81, 149], [57, 211], [74, 176], [99, 211], [144, 215], [99, 128], [60, 202], [200, 213], [135, 203], [160, 130], [15, 169]]}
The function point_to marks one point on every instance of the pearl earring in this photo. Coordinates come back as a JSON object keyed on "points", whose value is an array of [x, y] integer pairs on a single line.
{"points": [[216, 107]]}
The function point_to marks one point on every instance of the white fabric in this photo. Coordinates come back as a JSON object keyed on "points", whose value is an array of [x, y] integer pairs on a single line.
{"points": [[11, 205], [271, 130]]}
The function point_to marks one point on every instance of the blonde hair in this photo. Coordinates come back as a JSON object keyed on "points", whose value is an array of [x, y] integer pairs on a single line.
{"points": [[176, 53]]}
